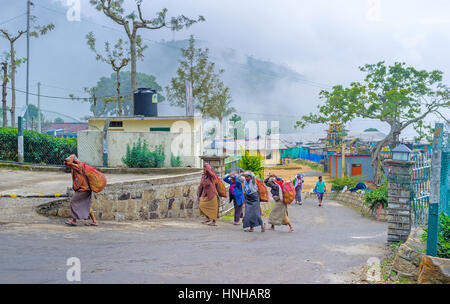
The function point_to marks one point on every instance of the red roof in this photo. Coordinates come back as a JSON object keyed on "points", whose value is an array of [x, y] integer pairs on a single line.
{"points": [[67, 126]]}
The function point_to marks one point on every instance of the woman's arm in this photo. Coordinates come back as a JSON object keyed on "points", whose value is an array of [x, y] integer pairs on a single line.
{"points": [[227, 179]]}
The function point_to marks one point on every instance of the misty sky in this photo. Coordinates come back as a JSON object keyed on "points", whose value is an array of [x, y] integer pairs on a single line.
{"points": [[325, 41]]}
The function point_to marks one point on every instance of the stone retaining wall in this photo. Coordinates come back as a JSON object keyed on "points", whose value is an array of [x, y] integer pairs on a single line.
{"points": [[354, 200], [170, 197]]}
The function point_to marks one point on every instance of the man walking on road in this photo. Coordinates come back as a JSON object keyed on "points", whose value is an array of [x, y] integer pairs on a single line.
{"points": [[320, 190]]}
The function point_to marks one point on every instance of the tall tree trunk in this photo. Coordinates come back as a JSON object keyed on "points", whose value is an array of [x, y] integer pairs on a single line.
{"points": [[4, 82], [13, 87], [133, 69], [119, 103], [221, 136], [376, 156]]}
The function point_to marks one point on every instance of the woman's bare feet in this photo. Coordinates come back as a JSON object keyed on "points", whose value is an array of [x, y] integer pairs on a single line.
{"points": [[291, 229], [206, 221]]}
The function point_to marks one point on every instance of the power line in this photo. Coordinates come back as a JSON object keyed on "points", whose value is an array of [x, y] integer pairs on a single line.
{"points": [[6, 21], [68, 98]]}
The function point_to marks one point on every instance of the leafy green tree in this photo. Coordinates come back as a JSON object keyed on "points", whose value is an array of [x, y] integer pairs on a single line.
{"points": [[59, 120], [219, 106], [398, 95], [117, 57], [35, 31], [133, 21], [32, 114], [195, 67]]}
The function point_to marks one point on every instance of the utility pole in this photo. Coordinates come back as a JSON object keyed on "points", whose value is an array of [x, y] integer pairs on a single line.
{"points": [[39, 108], [28, 59]]}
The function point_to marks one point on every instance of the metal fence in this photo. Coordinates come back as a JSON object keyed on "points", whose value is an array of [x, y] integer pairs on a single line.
{"points": [[439, 188], [231, 165], [420, 188]]}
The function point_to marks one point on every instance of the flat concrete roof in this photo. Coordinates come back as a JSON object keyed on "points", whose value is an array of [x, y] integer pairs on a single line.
{"points": [[145, 117]]}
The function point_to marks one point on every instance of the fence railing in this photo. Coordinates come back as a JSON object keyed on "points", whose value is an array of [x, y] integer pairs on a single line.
{"points": [[231, 165], [420, 188]]}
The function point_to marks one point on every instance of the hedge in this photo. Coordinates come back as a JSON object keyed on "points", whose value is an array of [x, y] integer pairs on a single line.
{"points": [[38, 148]]}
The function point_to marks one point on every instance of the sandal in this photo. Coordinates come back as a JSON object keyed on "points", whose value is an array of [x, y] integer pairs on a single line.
{"points": [[92, 224], [206, 222], [70, 224], [212, 224]]}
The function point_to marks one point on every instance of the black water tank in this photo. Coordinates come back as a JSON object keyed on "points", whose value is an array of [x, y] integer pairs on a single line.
{"points": [[145, 102]]}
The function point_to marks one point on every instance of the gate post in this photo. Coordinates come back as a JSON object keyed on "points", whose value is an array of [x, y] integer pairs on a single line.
{"points": [[399, 196], [433, 213]]}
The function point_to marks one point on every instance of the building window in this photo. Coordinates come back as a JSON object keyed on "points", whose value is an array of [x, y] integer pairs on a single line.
{"points": [[116, 124], [160, 129], [269, 155]]}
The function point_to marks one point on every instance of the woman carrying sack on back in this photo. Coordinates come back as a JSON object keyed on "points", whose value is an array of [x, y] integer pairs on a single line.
{"points": [[279, 213], [81, 201], [208, 196]]}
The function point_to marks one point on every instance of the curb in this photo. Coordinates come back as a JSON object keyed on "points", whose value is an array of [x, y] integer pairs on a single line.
{"points": [[34, 195]]}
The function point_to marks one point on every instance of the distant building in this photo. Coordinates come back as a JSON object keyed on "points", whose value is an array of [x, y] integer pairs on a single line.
{"points": [[179, 136], [65, 129]]}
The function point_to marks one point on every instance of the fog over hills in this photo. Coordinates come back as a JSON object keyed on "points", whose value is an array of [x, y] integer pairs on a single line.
{"points": [[277, 57]]}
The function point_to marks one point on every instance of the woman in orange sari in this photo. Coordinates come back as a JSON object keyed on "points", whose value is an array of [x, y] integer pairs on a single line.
{"points": [[208, 197]]}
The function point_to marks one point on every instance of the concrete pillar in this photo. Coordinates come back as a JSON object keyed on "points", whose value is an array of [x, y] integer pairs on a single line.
{"points": [[216, 162], [399, 195]]}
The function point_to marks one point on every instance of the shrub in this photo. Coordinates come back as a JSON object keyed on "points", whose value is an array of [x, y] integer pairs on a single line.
{"points": [[175, 161], [443, 250], [253, 163], [139, 156], [340, 182], [38, 148], [378, 196]]}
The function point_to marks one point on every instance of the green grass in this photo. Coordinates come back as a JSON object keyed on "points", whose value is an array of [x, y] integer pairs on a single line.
{"points": [[311, 164]]}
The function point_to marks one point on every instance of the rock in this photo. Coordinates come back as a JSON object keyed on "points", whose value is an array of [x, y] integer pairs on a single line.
{"points": [[409, 255], [434, 270]]}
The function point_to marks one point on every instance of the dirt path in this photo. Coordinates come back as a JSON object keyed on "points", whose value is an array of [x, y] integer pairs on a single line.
{"points": [[290, 171]]}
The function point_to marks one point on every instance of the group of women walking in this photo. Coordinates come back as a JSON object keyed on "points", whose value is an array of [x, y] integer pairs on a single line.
{"points": [[244, 194]]}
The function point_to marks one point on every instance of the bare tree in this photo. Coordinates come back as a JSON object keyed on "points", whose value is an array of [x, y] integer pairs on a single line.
{"points": [[131, 23], [35, 31], [5, 79], [117, 57]]}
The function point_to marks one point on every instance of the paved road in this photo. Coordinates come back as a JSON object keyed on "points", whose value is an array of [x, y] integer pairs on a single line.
{"points": [[328, 243]]}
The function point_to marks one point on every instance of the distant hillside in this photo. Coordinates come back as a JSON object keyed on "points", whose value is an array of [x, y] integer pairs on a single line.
{"points": [[253, 82]]}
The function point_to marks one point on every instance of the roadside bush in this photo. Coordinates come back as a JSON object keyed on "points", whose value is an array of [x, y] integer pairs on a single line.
{"points": [[340, 182], [443, 250], [38, 148], [254, 163], [378, 196], [175, 161], [140, 156]]}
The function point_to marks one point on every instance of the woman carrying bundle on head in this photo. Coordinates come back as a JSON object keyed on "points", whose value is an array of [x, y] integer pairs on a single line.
{"points": [[236, 193], [279, 213], [252, 217], [208, 196], [298, 185]]}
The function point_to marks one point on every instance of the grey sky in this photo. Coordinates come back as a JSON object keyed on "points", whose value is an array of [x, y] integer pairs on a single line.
{"points": [[324, 40]]}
